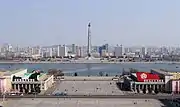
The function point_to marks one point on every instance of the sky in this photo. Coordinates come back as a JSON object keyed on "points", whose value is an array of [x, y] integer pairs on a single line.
{"points": [[126, 22]]}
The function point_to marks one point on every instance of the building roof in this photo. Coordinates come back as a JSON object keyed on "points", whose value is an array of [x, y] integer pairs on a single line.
{"points": [[166, 73], [8, 73], [43, 77], [134, 74]]}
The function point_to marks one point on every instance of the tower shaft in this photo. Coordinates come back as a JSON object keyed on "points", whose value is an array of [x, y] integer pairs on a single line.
{"points": [[89, 40]]}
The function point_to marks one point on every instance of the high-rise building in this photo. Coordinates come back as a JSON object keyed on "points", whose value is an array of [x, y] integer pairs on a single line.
{"points": [[73, 49], [63, 51], [143, 51], [118, 51]]}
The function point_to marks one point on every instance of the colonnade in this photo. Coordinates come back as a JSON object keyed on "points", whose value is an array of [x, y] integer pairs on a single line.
{"points": [[30, 84], [18, 87], [153, 87]]}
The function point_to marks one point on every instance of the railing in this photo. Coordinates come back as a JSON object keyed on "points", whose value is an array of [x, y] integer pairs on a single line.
{"points": [[24, 80]]}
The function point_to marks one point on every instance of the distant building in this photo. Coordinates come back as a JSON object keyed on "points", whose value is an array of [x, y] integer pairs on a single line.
{"points": [[73, 49], [62, 51], [143, 52], [78, 51], [118, 51]]}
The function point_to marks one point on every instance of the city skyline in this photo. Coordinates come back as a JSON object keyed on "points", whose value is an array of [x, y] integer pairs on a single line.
{"points": [[139, 23]]}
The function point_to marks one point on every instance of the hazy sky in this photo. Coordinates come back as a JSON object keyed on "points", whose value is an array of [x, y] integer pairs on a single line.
{"points": [[127, 22]]}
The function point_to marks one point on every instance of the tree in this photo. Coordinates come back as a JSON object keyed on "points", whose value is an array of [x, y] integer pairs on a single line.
{"points": [[26, 90], [34, 76], [14, 77], [21, 89], [37, 89], [106, 75], [32, 90], [55, 72], [101, 74], [89, 55], [156, 91], [75, 74], [144, 90]]}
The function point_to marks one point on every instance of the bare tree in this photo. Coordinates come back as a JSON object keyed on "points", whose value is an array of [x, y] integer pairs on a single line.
{"points": [[101, 74], [55, 72], [75, 74]]}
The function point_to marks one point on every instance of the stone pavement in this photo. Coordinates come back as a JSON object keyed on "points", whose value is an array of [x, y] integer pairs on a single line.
{"points": [[88, 88], [87, 102]]}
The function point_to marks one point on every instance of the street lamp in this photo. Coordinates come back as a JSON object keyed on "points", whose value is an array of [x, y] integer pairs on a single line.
{"points": [[4, 94], [77, 103]]}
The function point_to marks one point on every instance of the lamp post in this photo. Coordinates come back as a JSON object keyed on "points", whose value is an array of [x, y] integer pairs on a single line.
{"points": [[172, 96], [35, 94], [4, 95], [77, 103]]}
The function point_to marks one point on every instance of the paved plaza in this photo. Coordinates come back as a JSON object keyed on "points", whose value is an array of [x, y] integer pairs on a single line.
{"points": [[88, 88], [81, 102]]}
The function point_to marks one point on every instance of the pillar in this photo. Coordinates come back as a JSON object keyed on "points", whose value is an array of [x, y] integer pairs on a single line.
{"points": [[15, 87], [142, 86], [131, 86], [135, 88], [18, 87], [157, 87], [26, 86], [146, 88], [154, 87], [41, 86], [29, 85], [139, 88]]}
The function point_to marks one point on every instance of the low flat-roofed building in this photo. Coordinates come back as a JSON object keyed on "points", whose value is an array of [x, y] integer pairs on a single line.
{"points": [[175, 86], [5, 79], [166, 76], [26, 84], [176, 74], [144, 82]]}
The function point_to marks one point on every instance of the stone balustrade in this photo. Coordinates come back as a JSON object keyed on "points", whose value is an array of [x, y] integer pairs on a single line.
{"points": [[24, 80]]}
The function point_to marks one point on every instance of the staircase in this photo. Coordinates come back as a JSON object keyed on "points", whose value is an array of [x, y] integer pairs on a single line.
{"points": [[51, 89]]}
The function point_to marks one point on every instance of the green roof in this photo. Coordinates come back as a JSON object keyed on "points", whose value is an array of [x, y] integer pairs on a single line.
{"points": [[28, 74]]}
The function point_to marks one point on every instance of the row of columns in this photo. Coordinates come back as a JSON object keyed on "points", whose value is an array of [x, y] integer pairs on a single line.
{"points": [[26, 86], [139, 87]]}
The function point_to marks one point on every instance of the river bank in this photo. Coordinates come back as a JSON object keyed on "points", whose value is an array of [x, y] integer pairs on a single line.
{"points": [[84, 62]]}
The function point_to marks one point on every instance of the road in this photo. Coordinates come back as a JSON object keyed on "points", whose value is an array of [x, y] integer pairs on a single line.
{"points": [[101, 96]]}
